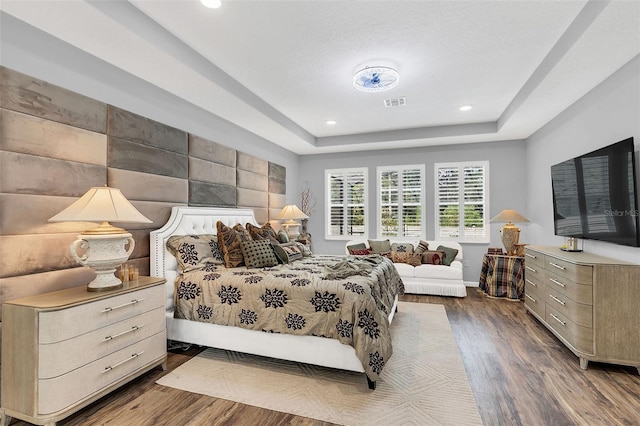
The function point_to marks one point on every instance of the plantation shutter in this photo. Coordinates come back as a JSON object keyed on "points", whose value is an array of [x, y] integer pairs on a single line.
{"points": [[346, 202], [461, 190], [401, 197]]}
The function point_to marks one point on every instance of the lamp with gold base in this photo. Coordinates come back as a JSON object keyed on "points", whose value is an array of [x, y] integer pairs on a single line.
{"points": [[510, 233], [105, 247]]}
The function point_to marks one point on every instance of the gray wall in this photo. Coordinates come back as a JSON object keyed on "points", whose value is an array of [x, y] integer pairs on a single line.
{"points": [[507, 168], [607, 114]]}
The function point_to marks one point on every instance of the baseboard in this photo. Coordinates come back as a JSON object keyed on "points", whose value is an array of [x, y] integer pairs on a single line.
{"points": [[471, 284]]}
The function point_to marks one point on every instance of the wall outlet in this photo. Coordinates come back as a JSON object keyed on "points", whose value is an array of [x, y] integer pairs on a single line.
{"points": [[465, 263]]}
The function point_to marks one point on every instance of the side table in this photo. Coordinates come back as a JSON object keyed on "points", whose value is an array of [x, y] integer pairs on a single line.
{"points": [[502, 276]]}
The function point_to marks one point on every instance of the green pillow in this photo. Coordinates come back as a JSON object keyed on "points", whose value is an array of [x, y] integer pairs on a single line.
{"points": [[380, 246], [283, 237], [449, 254]]}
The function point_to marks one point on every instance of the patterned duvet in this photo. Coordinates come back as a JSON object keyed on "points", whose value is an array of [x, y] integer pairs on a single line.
{"points": [[297, 298]]}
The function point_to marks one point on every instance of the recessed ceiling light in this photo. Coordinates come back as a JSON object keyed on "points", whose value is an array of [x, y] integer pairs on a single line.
{"points": [[465, 107], [212, 4], [331, 122]]}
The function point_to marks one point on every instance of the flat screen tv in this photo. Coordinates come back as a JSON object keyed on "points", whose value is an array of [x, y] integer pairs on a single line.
{"points": [[595, 195]]}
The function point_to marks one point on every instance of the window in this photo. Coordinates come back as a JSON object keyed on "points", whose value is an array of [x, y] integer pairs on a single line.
{"points": [[346, 194], [462, 191], [400, 201]]}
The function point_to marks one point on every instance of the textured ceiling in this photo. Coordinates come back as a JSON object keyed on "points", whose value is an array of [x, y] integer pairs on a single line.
{"points": [[281, 69]]}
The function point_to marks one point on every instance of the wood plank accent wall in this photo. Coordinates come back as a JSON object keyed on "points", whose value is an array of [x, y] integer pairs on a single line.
{"points": [[55, 144]]}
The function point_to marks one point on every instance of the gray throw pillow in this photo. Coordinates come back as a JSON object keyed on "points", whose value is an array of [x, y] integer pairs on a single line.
{"points": [[449, 254], [380, 246]]}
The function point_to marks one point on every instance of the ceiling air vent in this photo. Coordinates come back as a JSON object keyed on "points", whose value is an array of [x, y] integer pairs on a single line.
{"points": [[395, 102]]}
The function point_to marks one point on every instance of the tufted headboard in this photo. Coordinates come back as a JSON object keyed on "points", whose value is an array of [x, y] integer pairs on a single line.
{"points": [[188, 221]]}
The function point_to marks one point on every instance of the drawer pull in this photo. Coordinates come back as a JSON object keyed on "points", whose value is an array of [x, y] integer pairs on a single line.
{"points": [[133, 356], [557, 266], [557, 282], [557, 300], [531, 269], [531, 282], [558, 319], [133, 302], [531, 256], [134, 328], [531, 298]]}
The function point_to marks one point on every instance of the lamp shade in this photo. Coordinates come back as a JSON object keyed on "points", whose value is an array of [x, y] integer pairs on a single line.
{"points": [[101, 204], [291, 212], [509, 216]]}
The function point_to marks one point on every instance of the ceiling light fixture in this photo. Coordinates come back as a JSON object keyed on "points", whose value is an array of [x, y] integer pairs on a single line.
{"points": [[376, 79], [331, 122], [211, 4], [465, 107]]}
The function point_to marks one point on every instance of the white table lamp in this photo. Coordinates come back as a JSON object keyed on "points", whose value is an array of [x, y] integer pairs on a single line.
{"points": [[292, 213], [103, 246]]}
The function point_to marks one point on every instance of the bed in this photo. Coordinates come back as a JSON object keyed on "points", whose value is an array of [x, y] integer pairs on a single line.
{"points": [[311, 349]]}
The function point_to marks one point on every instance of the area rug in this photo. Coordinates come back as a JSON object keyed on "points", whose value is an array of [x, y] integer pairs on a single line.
{"points": [[424, 382]]}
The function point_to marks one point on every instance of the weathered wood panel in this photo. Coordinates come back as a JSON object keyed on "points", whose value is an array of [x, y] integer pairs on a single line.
{"points": [[252, 164], [250, 180], [208, 150], [132, 127], [19, 92], [28, 214], [31, 254], [29, 174], [207, 171], [211, 194], [156, 211], [276, 203], [32, 135], [277, 171], [141, 158], [251, 198], [148, 187], [277, 186]]}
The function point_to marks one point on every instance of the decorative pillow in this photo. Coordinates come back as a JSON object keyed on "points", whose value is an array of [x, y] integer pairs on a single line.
{"points": [[258, 253], [362, 252], [229, 240], [287, 252], [402, 247], [306, 251], [422, 247], [359, 246], [193, 251], [380, 246], [449, 254], [432, 257], [283, 237], [266, 232], [409, 258]]}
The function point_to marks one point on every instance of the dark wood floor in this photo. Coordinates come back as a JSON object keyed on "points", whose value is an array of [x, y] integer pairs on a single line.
{"points": [[519, 372]]}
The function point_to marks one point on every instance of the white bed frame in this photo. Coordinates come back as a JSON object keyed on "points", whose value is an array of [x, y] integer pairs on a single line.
{"points": [[308, 349]]}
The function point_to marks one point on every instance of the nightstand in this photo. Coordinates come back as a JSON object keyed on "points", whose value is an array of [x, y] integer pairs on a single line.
{"points": [[63, 350], [502, 276]]}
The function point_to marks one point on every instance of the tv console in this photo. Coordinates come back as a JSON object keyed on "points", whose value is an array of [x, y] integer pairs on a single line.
{"points": [[587, 301]]}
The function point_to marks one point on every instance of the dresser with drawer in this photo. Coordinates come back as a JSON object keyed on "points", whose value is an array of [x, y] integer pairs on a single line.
{"points": [[63, 350], [588, 301]]}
